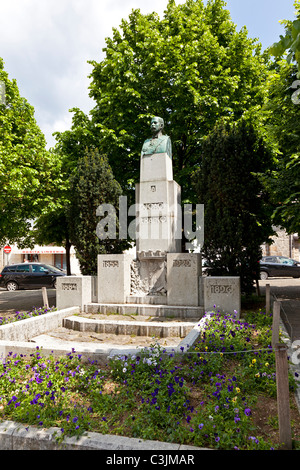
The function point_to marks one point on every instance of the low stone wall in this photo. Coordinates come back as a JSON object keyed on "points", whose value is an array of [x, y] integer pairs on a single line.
{"points": [[139, 328], [23, 330], [16, 436]]}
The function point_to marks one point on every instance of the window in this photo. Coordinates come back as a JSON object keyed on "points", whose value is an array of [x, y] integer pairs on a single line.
{"points": [[23, 268], [289, 262], [60, 261], [9, 269], [36, 268]]}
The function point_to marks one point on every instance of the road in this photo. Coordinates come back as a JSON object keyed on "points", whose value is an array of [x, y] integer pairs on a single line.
{"points": [[24, 300], [284, 288]]}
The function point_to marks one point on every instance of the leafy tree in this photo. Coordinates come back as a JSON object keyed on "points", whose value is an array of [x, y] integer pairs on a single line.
{"points": [[91, 185], [283, 107], [191, 67], [289, 43], [25, 166], [237, 211], [282, 124]]}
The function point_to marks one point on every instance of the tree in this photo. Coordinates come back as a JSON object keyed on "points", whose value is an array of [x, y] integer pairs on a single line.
{"points": [[25, 165], [191, 67], [282, 124], [91, 185], [237, 211], [289, 43]]}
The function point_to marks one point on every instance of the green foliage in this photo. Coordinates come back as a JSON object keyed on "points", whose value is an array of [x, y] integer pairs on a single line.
{"points": [[26, 168], [290, 42], [237, 213], [92, 184], [282, 114], [191, 67]]}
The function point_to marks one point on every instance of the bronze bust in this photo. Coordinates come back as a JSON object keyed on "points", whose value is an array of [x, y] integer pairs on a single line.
{"points": [[158, 143]]}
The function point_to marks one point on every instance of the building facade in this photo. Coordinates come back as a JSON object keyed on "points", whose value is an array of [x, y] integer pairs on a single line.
{"points": [[52, 255], [283, 245]]}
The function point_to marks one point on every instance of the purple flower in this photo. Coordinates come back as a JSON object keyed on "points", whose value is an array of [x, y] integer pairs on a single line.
{"points": [[247, 411]]}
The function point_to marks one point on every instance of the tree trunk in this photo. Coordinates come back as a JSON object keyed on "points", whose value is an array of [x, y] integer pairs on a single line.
{"points": [[68, 250]]}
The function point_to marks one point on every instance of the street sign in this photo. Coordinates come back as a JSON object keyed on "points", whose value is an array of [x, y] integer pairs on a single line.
{"points": [[7, 249]]}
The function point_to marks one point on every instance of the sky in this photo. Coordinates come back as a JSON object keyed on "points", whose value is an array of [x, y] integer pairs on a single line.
{"points": [[46, 46]]}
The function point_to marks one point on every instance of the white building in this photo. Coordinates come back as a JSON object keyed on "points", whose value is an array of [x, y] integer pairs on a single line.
{"points": [[52, 255]]}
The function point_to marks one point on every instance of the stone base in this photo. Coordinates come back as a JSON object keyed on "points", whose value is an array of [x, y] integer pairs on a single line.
{"points": [[73, 291], [222, 293], [183, 272], [172, 311], [147, 299], [114, 277]]}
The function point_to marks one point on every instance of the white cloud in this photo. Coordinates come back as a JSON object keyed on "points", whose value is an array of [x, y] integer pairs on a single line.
{"points": [[46, 44]]}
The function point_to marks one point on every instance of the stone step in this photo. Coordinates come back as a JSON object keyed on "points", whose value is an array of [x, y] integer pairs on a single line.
{"points": [[147, 299], [155, 310], [122, 327]]}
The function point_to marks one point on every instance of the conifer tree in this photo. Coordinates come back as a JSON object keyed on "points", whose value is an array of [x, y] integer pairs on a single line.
{"points": [[92, 184], [237, 218]]}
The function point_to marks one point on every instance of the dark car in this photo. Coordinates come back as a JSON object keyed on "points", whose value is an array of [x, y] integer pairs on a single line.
{"points": [[279, 266], [29, 276]]}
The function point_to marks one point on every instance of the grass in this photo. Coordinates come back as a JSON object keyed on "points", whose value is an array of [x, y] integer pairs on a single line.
{"points": [[220, 394]]}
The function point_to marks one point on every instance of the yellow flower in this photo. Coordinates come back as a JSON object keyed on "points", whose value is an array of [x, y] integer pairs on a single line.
{"points": [[234, 399], [253, 361], [257, 375], [237, 389], [267, 364]]}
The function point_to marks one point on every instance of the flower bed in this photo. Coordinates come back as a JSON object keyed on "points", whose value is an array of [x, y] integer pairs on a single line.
{"points": [[220, 394], [23, 315]]}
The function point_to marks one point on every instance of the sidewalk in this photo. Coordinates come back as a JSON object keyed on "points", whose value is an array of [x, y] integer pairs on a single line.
{"points": [[287, 292], [290, 315]]}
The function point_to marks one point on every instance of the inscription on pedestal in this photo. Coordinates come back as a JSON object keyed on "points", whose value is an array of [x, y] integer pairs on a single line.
{"points": [[154, 220], [179, 263], [68, 286], [153, 205], [110, 264], [221, 289]]}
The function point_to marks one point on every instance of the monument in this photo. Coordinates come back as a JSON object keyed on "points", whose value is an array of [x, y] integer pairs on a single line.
{"points": [[160, 273], [160, 280]]}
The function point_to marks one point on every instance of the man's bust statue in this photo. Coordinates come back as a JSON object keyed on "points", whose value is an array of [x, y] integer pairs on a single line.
{"points": [[158, 143]]}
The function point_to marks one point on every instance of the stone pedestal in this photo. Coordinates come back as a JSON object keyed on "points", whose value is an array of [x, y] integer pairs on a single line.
{"points": [[156, 167], [222, 293], [158, 203], [183, 272], [114, 278], [73, 291]]}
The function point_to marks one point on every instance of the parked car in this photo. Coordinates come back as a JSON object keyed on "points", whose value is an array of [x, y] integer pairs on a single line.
{"points": [[29, 276], [279, 266]]}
